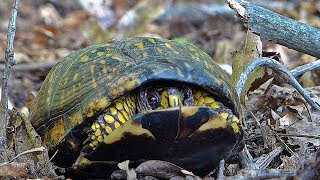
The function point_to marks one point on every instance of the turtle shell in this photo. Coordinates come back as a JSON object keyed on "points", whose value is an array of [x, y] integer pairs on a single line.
{"points": [[84, 83]]}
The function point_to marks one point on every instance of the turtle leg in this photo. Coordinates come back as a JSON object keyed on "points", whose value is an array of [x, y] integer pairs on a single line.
{"points": [[204, 98], [112, 118]]}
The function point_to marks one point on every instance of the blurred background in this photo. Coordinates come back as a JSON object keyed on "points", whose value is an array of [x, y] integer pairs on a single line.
{"points": [[48, 30]]}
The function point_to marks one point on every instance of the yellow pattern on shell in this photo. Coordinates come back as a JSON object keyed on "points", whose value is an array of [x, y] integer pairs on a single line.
{"points": [[116, 57], [94, 83], [190, 111], [90, 111], [75, 77], [102, 104], [76, 118], [170, 47], [213, 123], [152, 40], [100, 53], [130, 127], [102, 62], [57, 131], [84, 58], [140, 45]]}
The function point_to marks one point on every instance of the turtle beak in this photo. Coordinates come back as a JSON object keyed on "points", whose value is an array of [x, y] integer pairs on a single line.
{"points": [[173, 97]]}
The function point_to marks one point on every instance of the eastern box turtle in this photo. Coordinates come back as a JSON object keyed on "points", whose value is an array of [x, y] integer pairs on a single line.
{"points": [[138, 99]]}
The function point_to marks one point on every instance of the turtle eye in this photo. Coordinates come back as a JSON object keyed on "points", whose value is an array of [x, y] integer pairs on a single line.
{"points": [[153, 99]]}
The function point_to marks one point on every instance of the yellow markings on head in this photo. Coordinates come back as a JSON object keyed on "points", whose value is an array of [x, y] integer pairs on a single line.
{"points": [[84, 58], [100, 53], [91, 145], [164, 99], [75, 77], [57, 131], [117, 124], [94, 83], [152, 40], [130, 127], [208, 100], [173, 100], [235, 127], [215, 105], [224, 115], [197, 95], [102, 62], [140, 45], [213, 123], [76, 118], [200, 101], [108, 118], [108, 129]]}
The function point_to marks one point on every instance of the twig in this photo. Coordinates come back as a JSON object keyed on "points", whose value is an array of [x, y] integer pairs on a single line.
{"points": [[274, 65], [304, 68], [284, 135], [40, 149], [277, 28], [9, 64], [221, 170], [263, 174], [31, 67]]}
